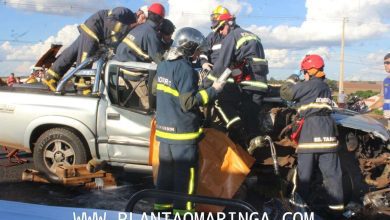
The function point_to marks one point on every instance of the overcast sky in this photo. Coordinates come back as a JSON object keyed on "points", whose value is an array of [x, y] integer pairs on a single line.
{"points": [[289, 29]]}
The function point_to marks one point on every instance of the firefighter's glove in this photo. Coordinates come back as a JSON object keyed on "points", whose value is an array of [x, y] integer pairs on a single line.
{"points": [[207, 66], [218, 86], [294, 78]]}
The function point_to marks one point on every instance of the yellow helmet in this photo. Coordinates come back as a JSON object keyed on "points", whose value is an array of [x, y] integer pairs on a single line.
{"points": [[218, 11], [219, 17]]}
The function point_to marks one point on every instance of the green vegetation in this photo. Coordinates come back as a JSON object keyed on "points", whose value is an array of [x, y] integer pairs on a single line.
{"points": [[364, 94], [377, 112], [333, 85]]}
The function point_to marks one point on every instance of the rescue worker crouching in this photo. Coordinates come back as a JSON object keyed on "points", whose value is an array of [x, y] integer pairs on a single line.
{"points": [[142, 44], [317, 143], [242, 52], [178, 119], [105, 27]]}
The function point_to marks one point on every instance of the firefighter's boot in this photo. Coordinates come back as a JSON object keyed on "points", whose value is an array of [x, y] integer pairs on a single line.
{"points": [[50, 79]]}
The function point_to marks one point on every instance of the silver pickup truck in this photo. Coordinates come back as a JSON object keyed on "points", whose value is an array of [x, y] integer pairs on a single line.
{"points": [[67, 128]]}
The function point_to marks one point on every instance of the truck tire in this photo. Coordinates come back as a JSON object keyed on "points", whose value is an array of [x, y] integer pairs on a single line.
{"points": [[55, 147]]}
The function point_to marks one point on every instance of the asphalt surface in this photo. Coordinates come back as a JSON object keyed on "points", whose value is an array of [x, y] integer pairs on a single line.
{"points": [[12, 188]]}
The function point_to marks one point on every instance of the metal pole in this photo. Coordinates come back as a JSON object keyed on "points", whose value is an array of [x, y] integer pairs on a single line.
{"points": [[341, 76]]}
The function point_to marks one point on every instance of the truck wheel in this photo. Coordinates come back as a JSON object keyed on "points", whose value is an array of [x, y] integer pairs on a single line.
{"points": [[55, 147]]}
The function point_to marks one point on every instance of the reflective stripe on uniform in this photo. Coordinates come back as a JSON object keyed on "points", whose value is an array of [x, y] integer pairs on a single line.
{"points": [[291, 81], [113, 38], [245, 39], [255, 84], [167, 89], [387, 100], [159, 207], [53, 74], [135, 48], [84, 56], [234, 120], [224, 117], [213, 78], [117, 26], [260, 60], [336, 207], [179, 136], [191, 186], [88, 31], [244, 83], [294, 180], [205, 96], [216, 47], [318, 145], [315, 106], [203, 56], [300, 205]]}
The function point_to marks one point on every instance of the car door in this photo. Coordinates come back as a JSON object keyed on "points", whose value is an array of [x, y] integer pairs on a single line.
{"points": [[126, 127]]}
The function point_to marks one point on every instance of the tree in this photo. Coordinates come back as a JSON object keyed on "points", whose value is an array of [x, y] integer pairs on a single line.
{"points": [[333, 85]]}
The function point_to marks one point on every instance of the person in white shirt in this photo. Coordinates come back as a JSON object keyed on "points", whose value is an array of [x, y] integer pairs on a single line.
{"points": [[341, 99]]}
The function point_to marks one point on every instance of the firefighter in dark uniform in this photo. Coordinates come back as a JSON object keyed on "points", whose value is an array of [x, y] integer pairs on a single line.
{"points": [[228, 100], [317, 143], [165, 32], [106, 27], [212, 45], [243, 53], [178, 119], [142, 44]]}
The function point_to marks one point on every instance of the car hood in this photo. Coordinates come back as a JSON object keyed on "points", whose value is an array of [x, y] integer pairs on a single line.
{"points": [[354, 120]]}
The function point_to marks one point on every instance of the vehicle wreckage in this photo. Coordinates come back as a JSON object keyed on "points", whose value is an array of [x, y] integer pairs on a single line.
{"points": [[68, 128]]}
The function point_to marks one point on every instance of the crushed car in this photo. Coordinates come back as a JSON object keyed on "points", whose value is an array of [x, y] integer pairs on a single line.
{"points": [[67, 128]]}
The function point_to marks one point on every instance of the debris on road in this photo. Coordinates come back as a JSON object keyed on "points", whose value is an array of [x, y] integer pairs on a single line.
{"points": [[75, 175], [13, 157]]}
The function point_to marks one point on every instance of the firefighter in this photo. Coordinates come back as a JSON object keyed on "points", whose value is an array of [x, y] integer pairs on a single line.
{"points": [[106, 27], [178, 119], [142, 14], [165, 32], [317, 143], [242, 52], [228, 100], [142, 44], [212, 44]]}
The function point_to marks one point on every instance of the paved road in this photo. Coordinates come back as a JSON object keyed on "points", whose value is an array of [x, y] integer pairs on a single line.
{"points": [[13, 188]]}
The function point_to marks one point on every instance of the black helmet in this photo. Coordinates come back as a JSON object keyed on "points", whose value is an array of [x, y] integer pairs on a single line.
{"points": [[167, 27], [187, 40]]}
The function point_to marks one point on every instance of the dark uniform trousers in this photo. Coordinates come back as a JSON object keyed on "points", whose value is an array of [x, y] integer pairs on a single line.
{"points": [[329, 164], [83, 47], [177, 169], [228, 104], [252, 99], [318, 143]]}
